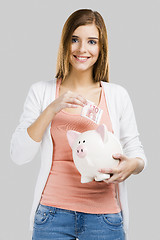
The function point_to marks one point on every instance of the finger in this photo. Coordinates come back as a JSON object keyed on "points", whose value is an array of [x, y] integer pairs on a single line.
{"points": [[73, 101], [109, 170], [69, 96], [119, 156], [69, 105], [79, 97], [112, 179], [105, 180], [77, 100], [117, 178], [82, 99]]}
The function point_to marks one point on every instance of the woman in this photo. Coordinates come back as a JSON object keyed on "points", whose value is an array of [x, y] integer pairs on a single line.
{"points": [[63, 207]]}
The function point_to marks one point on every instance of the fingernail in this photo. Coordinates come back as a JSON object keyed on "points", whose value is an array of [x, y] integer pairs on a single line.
{"points": [[105, 181], [116, 155]]}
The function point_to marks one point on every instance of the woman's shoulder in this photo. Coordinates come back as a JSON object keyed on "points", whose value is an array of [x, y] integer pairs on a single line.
{"points": [[42, 90], [114, 88], [42, 84]]}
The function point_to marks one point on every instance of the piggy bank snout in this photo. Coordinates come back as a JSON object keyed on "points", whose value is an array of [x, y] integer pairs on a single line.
{"points": [[81, 151]]}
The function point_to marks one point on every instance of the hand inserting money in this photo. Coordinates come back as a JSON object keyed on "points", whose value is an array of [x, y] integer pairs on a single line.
{"points": [[92, 112]]}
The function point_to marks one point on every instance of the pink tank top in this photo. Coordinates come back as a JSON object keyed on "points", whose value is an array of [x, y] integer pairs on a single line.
{"points": [[63, 188]]}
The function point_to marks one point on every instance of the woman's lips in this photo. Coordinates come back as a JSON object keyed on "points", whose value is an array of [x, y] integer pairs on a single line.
{"points": [[81, 58]]}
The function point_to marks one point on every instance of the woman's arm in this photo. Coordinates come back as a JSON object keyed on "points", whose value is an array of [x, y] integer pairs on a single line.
{"points": [[139, 165], [22, 147], [37, 128], [67, 100], [133, 159], [27, 137]]}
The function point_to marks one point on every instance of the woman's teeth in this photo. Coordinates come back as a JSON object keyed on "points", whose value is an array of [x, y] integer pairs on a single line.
{"points": [[81, 58]]}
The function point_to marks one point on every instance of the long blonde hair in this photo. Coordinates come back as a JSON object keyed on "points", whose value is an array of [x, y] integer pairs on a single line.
{"points": [[76, 19]]}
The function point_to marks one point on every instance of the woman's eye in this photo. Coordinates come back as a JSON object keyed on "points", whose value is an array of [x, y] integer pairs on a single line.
{"points": [[92, 42], [74, 40]]}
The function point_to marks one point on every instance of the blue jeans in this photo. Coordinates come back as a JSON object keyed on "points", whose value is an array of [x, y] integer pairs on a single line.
{"points": [[57, 223]]}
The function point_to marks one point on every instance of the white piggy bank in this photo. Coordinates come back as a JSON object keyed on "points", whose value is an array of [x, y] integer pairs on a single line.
{"points": [[93, 150]]}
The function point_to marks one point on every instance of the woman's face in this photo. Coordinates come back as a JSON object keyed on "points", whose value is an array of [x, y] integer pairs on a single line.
{"points": [[84, 49]]}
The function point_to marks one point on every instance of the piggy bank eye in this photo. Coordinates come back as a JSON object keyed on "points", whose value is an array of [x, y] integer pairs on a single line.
{"points": [[83, 141], [79, 142]]}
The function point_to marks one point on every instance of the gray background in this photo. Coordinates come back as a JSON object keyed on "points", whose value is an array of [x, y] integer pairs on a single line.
{"points": [[29, 40]]}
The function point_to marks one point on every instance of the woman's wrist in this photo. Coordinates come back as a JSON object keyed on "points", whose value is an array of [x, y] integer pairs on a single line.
{"points": [[139, 165]]}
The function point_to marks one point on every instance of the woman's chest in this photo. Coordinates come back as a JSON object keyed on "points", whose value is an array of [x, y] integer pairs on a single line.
{"points": [[93, 95]]}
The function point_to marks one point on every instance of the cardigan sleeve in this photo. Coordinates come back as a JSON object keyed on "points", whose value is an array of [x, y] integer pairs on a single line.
{"points": [[22, 147], [129, 135]]}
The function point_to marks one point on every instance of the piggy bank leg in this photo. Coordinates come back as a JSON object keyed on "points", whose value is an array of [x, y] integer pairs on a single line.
{"points": [[102, 176], [85, 179]]}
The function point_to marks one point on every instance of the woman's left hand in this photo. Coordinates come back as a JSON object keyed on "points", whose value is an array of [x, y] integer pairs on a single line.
{"points": [[125, 168]]}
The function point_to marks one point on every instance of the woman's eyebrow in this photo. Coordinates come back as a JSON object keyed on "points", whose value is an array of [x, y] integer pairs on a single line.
{"points": [[88, 37]]}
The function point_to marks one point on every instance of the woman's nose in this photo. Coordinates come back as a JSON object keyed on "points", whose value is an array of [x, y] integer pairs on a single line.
{"points": [[82, 47]]}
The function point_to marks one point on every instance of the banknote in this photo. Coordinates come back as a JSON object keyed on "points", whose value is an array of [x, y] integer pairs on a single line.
{"points": [[92, 112]]}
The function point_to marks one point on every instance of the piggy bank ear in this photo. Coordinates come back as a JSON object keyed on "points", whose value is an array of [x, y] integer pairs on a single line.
{"points": [[72, 136], [102, 130]]}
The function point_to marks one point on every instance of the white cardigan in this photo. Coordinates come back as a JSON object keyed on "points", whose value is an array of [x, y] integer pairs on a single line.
{"points": [[23, 148]]}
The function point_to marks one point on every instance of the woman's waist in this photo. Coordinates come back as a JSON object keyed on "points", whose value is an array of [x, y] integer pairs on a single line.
{"points": [[66, 176]]}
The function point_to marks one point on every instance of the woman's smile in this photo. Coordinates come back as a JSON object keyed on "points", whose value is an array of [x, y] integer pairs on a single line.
{"points": [[81, 59]]}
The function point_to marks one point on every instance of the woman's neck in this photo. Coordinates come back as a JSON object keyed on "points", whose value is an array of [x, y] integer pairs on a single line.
{"points": [[80, 80]]}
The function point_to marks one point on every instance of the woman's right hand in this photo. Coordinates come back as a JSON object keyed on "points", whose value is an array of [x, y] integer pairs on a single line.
{"points": [[68, 100]]}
